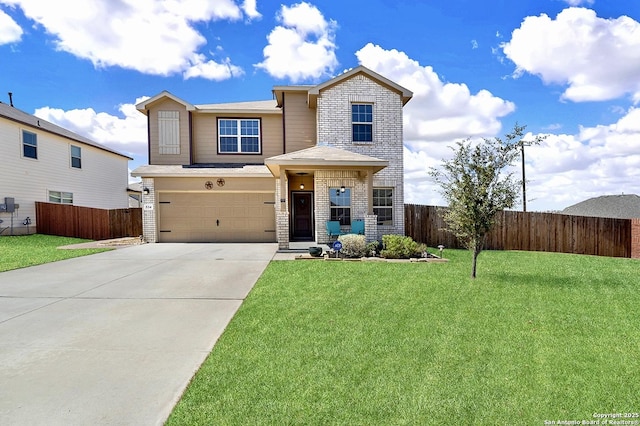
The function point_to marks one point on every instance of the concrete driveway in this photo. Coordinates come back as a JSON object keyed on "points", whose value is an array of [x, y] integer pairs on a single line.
{"points": [[115, 337]]}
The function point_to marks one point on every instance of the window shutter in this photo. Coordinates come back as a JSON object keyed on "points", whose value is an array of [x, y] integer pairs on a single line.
{"points": [[169, 132]]}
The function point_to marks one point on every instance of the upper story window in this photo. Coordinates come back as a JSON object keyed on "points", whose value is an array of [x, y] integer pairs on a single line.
{"points": [[340, 208], [239, 136], [362, 122], [61, 197], [76, 157], [29, 144], [383, 205], [169, 132]]}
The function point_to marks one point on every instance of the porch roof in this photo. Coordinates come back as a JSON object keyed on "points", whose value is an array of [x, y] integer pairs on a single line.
{"points": [[241, 170], [323, 157]]}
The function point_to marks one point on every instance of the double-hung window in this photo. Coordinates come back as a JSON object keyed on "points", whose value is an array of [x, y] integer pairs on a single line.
{"points": [[362, 122], [169, 132], [340, 199], [61, 197], [76, 157], [29, 144], [239, 136], [383, 205]]}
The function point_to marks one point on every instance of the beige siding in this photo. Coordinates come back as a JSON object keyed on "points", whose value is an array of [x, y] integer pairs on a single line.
{"points": [[231, 184], [168, 159], [100, 183], [205, 138], [300, 122]]}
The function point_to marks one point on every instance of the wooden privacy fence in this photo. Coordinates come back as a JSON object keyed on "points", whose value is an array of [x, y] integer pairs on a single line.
{"points": [[531, 231], [86, 222]]}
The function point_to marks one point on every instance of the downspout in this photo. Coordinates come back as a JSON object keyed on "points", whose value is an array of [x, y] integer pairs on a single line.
{"points": [[190, 138], [148, 136], [284, 128]]}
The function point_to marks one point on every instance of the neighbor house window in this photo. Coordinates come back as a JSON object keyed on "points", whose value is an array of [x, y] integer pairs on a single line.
{"points": [[340, 205], [29, 144], [169, 132], [60, 197], [362, 122], [383, 205], [76, 157], [239, 136]]}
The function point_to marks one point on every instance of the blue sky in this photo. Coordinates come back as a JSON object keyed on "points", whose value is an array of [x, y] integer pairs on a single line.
{"points": [[567, 69]]}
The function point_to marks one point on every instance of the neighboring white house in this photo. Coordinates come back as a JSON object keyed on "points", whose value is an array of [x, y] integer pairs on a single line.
{"points": [[45, 162]]}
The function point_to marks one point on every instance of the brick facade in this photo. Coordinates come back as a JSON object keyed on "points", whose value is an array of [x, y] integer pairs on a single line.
{"points": [[149, 227], [334, 129]]}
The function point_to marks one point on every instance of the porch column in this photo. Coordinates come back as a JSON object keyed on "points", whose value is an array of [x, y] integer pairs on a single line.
{"points": [[149, 213], [282, 214], [370, 192]]}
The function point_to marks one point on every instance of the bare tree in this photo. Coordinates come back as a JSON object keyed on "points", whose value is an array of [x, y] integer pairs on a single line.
{"points": [[477, 184]]}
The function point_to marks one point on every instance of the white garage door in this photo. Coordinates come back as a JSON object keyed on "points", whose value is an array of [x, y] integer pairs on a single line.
{"points": [[220, 217]]}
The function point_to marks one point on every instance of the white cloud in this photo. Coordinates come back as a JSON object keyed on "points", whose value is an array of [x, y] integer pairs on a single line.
{"points": [[302, 47], [563, 170], [10, 31], [211, 69], [597, 58], [474, 44], [439, 111], [566, 169], [126, 133], [153, 36]]}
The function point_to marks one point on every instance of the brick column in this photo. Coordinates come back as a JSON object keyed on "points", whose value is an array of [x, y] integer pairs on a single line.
{"points": [[282, 219], [371, 227], [635, 238], [149, 217]]}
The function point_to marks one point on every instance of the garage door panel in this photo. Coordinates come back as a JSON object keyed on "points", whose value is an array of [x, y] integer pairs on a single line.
{"points": [[238, 217]]}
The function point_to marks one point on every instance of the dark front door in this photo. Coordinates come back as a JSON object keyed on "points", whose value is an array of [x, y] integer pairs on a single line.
{"points": [[302, 227]]}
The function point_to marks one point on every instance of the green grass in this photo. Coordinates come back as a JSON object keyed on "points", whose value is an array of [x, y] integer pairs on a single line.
{"points": [[27, 250], [537, 336]]}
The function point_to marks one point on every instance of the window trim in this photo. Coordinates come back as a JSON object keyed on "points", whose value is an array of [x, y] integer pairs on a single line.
{"points": [[344, 221], [362, 123], [377, 208], [25, 144], [78, 157], [239, 135], [61, 196]]}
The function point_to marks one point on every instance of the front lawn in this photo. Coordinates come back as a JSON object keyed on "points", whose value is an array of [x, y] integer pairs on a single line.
{"points": [[537, 336], [20, 251]]}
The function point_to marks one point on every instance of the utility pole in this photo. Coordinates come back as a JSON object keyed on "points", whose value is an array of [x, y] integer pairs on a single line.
{"points": [[524, 180]]}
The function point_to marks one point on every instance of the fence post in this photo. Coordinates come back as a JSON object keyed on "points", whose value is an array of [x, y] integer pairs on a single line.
{"points": [[635, 238]]}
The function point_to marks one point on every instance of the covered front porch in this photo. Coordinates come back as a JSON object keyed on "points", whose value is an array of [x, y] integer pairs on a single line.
{"points": [[321, 184]]}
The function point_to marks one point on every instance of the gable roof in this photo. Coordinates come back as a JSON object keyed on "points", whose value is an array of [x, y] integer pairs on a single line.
{"points": [[613, 206], [18, 116], [320, 156], [251, 107], [315, 91], [144, 105]]}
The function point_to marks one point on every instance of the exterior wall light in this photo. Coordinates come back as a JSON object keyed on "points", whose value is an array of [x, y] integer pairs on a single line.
{"points": [[145, 191]]}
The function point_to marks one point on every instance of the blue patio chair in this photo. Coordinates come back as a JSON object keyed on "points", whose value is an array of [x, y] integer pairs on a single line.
{"points": [[333, 229], [357, 226]]}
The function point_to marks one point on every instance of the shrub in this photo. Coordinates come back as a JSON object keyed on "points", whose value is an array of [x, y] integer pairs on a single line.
{"points": [[374, 248], [353, 245], [399, 247]]}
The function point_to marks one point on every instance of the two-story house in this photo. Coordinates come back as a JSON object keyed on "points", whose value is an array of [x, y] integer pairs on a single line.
{"points": [[276, 170], [45, 162]]}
